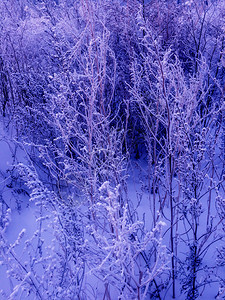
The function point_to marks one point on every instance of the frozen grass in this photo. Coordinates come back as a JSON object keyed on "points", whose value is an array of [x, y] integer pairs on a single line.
{"points": [[24, 216]]}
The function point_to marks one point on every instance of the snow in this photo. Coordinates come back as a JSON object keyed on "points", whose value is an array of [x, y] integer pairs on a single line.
{"points": [[25, 219], [79, 217]]}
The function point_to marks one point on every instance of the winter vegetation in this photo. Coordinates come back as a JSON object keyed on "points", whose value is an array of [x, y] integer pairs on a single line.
{"points": [[112, 149]]}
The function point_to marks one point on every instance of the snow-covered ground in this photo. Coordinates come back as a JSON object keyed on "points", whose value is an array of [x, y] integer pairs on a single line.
{"points": [[24, 229]]}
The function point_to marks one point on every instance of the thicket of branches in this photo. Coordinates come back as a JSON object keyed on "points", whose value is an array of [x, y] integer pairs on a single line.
{"points": [[89, 87]]}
